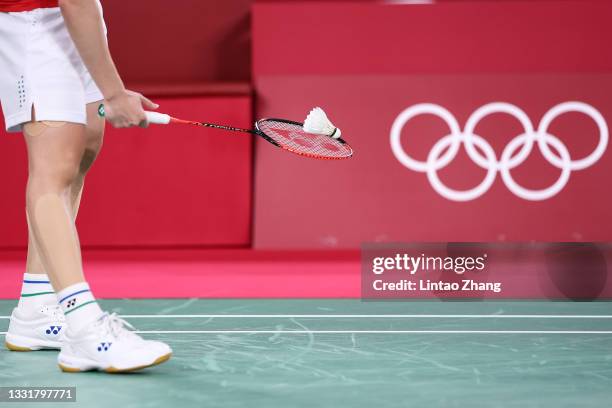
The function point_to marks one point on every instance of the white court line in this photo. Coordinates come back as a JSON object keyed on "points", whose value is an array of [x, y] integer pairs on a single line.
{"points": [[369, 316], [413, 316], [370, 332], [375, 332]]}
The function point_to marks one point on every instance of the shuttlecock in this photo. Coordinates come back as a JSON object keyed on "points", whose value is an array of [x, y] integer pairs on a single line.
{"points": [[317, 122]]}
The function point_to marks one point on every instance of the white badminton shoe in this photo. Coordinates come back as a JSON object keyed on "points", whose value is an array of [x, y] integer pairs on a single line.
{"points": [[109, 345], [39, 329]]}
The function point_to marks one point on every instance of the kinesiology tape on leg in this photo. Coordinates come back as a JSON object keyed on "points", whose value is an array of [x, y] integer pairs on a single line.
{"points": [[37, 128], [55, 233]]}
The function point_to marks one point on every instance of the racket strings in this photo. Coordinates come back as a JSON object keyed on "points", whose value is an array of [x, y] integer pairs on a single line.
{"points": [[291, 136]]}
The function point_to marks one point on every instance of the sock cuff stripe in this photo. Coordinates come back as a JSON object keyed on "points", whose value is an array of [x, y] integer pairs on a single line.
{"points": [[74, 294], [78, 307], [34, 281], [36, 294]]}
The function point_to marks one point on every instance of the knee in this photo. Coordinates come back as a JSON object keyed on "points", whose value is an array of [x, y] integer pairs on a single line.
{"points": [[57, 174], [55, 151]]}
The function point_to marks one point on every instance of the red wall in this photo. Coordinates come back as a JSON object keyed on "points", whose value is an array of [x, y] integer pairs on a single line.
{"points": [[366, 63], [185, 41]]}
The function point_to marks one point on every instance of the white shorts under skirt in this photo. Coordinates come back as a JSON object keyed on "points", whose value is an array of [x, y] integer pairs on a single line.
{"points": [[40, 67]]}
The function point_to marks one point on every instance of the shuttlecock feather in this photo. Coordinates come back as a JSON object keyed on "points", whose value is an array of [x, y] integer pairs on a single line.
{"points": [[317, 122]]}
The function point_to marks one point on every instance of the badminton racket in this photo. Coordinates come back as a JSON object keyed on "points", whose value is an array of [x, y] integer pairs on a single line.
{"points": [[286, 134]]}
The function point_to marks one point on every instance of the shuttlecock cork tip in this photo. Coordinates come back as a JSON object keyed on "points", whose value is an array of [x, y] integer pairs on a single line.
{"points": [[317, 122]]}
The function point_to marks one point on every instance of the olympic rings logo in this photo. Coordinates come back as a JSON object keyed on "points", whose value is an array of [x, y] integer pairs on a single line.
{"points": [[509, 160]]}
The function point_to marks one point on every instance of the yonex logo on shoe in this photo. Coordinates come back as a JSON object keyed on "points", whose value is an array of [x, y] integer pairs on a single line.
{"points": [[104, 346], [53, 329], [71, 303]]}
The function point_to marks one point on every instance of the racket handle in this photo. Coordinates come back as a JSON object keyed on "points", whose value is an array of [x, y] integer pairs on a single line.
{"points": [[157, 118]]}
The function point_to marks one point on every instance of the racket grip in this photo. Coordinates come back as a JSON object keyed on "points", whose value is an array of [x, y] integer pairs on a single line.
{"points": [[157, 118]]}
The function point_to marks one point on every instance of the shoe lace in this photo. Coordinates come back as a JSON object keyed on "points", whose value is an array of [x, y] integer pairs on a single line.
{"points": [[116, 326]]}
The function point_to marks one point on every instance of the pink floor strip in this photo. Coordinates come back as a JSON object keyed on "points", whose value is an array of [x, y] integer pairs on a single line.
{"points": [[206, 273]]}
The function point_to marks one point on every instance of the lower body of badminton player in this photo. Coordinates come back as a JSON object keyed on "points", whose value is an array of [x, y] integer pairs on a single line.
{"points": [[55, 68]]}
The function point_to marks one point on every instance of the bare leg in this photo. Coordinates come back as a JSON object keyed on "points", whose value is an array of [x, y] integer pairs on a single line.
{"points": [[33, 262], [94, 135], [55, 151]]}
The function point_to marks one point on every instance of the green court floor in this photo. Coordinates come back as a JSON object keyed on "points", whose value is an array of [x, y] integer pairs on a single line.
{"points": [[334, 353]]}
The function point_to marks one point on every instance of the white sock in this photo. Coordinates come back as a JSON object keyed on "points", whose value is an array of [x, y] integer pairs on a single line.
{"points": [[79, 306], [36, 291]]}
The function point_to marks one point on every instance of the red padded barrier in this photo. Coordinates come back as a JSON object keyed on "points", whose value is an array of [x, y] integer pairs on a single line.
{"points": [[162, 186]]}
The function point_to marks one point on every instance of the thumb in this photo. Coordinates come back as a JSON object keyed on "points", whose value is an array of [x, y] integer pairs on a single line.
{"points": [[147, 103]]}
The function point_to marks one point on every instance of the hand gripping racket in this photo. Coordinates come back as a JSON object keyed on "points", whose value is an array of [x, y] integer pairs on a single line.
{"points": [[286, 134]]}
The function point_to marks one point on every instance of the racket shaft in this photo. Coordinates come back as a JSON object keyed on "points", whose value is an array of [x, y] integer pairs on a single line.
{"points": [[230, 128]]}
